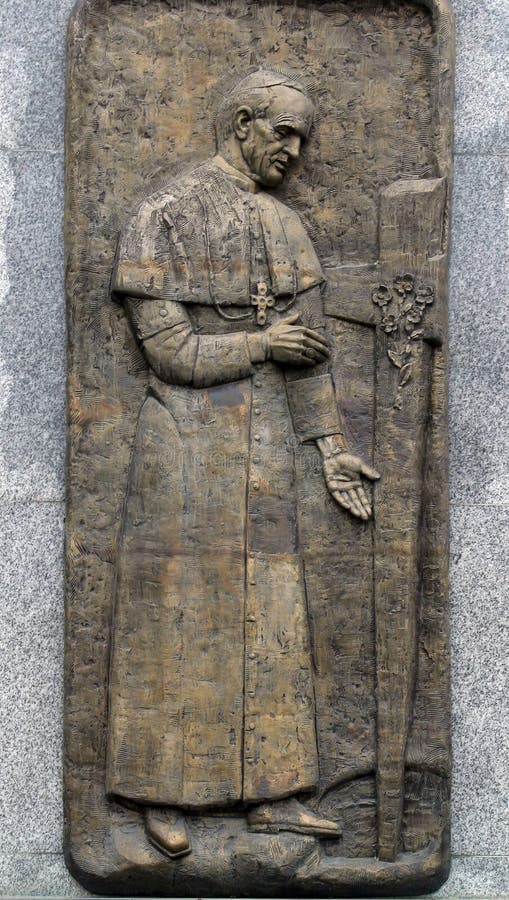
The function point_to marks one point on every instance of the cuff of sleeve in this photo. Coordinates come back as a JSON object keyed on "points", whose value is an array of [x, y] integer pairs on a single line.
{"points": [[257, 346], [313, 407], [221, 358]]}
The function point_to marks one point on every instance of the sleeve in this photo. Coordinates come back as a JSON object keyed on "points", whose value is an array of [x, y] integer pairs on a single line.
{"points": [[144, 265], [311, 392], [179, 356], [151, 277]]}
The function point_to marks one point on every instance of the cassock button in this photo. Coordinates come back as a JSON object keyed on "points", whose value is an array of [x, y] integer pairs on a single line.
{"points": [[252, 656], [258, 384], [163, 312], [256, 460], [256, 486], [257, 412], [257, 437], [251, 726], [250, 619]]}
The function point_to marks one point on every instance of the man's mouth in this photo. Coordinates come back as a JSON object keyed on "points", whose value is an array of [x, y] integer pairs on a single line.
{"points": [[281, 165]]}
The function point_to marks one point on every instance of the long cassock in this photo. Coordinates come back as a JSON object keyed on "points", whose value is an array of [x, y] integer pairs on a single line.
{"points": [[211, 697]]}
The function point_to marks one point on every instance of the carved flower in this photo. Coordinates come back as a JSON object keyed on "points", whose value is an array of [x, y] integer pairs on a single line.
{"points": [[404, 284], [382, 295], [402, 323], [424, 296], [415, 316], [389, 323]]}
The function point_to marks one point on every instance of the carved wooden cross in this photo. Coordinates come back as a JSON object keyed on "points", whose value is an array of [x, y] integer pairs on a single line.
{"points": [[262, 300], [413, 489]]}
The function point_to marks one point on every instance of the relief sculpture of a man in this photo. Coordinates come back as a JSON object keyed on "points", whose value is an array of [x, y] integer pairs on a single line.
{"points": [[211, 698]]}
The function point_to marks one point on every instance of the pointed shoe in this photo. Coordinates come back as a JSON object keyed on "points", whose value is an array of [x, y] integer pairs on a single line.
{"points": [[290, 815], [167, 831]]}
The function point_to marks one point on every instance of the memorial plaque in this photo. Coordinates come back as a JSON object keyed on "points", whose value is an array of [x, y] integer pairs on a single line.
{"points": [[257, 654]]}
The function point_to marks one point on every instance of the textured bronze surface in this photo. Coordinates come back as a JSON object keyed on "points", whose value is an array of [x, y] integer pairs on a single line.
{"points": [[257, 230]]}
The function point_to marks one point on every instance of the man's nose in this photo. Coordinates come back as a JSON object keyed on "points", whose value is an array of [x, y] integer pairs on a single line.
{"points": [[292, 146]]}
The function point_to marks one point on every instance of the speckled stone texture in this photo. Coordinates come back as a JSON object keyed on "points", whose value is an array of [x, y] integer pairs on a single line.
{"points": [[32, 40], [479, 443]]}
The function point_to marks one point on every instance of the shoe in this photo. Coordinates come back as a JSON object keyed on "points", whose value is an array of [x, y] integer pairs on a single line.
{"points": [[290, 815], [167, 830]]}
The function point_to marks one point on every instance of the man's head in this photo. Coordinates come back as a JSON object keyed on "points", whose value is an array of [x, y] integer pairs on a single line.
{"points": [[262, 124]]}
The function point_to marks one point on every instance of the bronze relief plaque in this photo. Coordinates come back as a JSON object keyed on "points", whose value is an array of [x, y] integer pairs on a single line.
{"points": [[257, 231]]}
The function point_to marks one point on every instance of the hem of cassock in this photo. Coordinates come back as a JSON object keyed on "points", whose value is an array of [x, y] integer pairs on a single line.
{"points": [[281, 795], [131, 798]]}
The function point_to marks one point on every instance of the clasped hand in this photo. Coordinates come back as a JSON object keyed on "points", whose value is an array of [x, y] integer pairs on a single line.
{"points": [[294, 344]]}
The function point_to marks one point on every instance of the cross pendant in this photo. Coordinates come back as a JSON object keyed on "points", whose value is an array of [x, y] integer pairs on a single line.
{"points": [[262, 300]]}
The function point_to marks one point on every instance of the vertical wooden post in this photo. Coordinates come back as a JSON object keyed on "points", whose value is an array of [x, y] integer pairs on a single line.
{"points": [[411, 216]]}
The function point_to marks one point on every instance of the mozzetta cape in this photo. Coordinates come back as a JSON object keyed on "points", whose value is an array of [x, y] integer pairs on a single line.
{"points": [[192, 243], [211, 685]]}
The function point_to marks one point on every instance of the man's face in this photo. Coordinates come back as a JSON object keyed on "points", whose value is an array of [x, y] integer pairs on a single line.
{"points": [[274, 142]]}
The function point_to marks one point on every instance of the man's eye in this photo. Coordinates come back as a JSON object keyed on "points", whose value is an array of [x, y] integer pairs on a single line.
{"points": [[282, 132]]}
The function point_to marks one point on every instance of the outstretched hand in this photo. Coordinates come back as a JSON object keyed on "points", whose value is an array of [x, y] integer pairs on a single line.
{"points": [[342, 471]]}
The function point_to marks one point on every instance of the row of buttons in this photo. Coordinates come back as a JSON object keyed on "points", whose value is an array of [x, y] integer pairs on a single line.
{"points": [[255, 485]]}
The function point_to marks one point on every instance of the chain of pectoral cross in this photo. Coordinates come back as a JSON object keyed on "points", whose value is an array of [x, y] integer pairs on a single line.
{"points": [[262, 300]]}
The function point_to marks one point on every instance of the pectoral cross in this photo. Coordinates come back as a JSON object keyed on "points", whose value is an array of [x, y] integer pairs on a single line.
{"points": [[262, 300]]}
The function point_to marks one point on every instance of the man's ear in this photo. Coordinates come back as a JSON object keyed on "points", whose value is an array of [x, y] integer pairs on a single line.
{"points": [[242, 122]]}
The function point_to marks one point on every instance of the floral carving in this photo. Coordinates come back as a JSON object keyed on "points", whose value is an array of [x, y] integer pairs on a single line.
{"points": [[403, 305]]}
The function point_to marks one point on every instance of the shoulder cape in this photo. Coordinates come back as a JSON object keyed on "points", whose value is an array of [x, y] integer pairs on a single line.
{"points": [[191, 242]]}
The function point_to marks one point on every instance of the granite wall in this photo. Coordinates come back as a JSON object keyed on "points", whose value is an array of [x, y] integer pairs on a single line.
{"points": [[32, 432]]}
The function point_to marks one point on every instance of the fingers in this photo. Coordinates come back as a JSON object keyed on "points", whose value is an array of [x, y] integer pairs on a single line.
{"points": [[313, 353], [342, 499], [343, 484], [355, 507], [299, 337], [317, 338], [304, 361], [309, 338], [296, 350], [307, 332], [288, 330], [364, 503], [349, 500], [370, 473], [317, 345], [354, 499], [299, 351], [289, 320]]}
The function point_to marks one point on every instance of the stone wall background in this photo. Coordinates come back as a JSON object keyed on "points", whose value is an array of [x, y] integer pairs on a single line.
{"points": [[32, 446]]}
